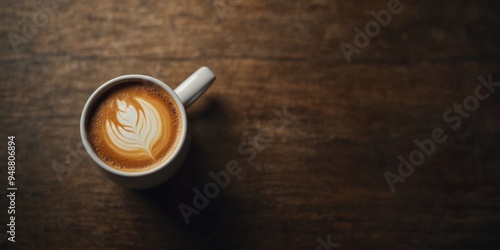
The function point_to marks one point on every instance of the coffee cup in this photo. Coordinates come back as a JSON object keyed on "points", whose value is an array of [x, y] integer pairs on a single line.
{"points": [[134, 127]]}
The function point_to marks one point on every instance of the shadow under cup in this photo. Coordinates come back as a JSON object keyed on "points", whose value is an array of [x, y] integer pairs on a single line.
{"points": [[149, 177]]}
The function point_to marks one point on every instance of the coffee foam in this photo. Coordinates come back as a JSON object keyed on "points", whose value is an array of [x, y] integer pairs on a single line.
{"points": [[136, 126]]}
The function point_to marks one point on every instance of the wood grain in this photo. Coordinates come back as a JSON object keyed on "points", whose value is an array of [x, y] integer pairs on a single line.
{"points": [[320, 175]]}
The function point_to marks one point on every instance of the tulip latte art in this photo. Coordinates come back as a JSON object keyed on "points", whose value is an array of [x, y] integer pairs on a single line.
{"points": [[136, 126]]}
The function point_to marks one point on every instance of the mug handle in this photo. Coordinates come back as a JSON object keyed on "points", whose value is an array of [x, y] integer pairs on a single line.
{"points": [[194, 86]]}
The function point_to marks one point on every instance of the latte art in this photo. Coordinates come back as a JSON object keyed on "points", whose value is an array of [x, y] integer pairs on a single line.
{"points": [[135, 127], [137, 131]]}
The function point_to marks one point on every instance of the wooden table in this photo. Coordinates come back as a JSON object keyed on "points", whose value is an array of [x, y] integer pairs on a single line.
{"points": [[317, 177]]}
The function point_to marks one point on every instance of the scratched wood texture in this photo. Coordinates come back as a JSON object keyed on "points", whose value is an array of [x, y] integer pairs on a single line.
{"points": [[321, 175]]}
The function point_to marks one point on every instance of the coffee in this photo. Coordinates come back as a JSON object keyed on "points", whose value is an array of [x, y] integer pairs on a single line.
{"points": [[135, 126]]}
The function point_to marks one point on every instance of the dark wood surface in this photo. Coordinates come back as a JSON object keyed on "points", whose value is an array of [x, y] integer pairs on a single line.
{"points": [[320, 175]]}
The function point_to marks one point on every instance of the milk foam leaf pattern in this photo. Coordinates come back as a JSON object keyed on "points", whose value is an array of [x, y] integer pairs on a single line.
{"points": [[137, 129]]}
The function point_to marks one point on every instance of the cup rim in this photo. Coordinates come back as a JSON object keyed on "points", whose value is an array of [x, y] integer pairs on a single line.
{"points": [[103, 89]]}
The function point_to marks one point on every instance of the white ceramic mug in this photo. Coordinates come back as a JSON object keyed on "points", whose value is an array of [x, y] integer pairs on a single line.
{"points": [[184, 95]]}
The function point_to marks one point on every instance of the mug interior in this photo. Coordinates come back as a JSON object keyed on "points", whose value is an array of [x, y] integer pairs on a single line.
{"points": [[107, 87]]}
